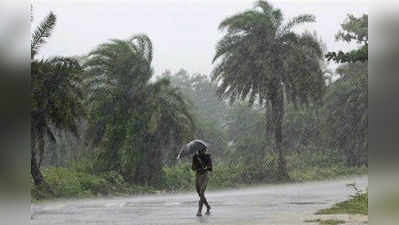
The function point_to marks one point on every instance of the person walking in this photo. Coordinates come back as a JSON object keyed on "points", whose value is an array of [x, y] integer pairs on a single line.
{"points": [[202, 164]]}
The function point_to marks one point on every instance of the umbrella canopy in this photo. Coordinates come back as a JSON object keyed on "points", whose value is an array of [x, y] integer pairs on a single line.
{"points": [[192, 147]]}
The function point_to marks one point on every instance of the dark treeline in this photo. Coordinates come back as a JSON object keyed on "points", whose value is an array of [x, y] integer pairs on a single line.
{"points": [[271, 110]]}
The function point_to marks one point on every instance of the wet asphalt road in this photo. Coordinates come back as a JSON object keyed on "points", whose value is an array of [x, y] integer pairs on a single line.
{"points": [[286, 204]]}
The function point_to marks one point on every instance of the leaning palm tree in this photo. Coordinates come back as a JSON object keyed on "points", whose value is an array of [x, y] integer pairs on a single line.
{"points": [[116, 74], [128, 112], [56, 96], [262, 58]]}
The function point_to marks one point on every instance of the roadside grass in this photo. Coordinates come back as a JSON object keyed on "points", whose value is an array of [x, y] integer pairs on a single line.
{"points": [[325, 173], [326, 222], [319, 165], [358, 204], [69, 183]]}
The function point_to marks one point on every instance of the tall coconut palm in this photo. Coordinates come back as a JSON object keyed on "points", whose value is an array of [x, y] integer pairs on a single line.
{"points": [[260, 57], [130, 116], [56, 96]]}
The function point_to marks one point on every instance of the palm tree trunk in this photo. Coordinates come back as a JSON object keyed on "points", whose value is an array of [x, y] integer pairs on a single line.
{"points": [[34, 167], [37, 175], [35, 171], [277, 102], [41, 148]]}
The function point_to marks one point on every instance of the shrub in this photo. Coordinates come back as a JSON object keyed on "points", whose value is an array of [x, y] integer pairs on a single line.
{"points": [[93, 184], [63, 182], [67, 183], [224, 175], [178, 177]]}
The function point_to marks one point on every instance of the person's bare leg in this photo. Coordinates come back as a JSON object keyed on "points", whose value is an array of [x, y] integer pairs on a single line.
{"points": [[200, 203], [204, 200], [208, 207], [198, 187]]}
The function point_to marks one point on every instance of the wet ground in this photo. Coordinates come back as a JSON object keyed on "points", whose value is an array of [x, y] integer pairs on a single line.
{"points": [[286, 204]]}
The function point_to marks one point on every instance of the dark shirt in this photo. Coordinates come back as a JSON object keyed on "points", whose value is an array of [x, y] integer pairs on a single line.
{"points": [[202, 163]]}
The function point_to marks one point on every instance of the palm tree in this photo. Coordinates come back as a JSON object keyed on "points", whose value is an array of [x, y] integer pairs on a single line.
{"points": [[264, 59], [116, 73], [130, 116], [56, 96]]}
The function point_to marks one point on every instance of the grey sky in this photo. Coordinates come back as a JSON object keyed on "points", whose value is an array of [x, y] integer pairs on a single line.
{"points": [[183, 32]]}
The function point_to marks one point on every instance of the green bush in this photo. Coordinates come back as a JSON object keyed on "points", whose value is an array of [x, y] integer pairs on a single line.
{"points": [[234, 174], [178, 177], [63, 182], [85, 163], [308, 165], [68, 183], [224, 175], [114, 178], [93, 184]]}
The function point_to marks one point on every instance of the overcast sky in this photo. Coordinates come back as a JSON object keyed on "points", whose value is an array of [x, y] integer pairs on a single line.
{"points": [[184, 32]]}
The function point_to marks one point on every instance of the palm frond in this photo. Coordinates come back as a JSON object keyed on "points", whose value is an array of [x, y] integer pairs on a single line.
{"points": [[266, 7], [144, 46], [227, 43], [39, 37], [269, 11], [240, 22], [309, 41], [301, 19]]}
